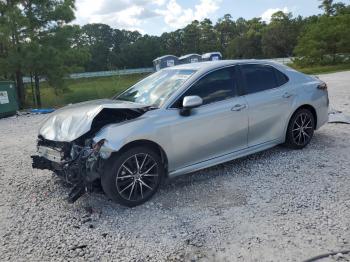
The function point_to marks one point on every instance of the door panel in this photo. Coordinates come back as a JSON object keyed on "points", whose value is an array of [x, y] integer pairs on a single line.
{"points": [[268, 111], [269, 102], [210, 131]]}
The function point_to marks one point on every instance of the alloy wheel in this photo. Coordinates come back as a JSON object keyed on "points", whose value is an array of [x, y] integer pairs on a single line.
{"points": [[302, 129], [137, 177]]}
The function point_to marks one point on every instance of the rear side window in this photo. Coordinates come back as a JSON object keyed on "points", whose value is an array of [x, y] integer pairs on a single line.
{"points": [[281, 78], [262, 77], [216, 86]]}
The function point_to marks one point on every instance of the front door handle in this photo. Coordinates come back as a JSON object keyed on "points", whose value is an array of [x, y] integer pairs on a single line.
{"points": [[238, 107], [287, 95]]}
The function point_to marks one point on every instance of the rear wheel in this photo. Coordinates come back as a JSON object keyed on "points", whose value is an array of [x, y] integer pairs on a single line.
{"points": [[133, 177], [300, 129]]}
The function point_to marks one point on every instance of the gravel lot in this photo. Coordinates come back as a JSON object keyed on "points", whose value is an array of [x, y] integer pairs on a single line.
{"points": [[278, 205]]}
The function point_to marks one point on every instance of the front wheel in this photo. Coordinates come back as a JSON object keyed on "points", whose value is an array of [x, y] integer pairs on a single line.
{"points": [[133, 177], [300, 129]]}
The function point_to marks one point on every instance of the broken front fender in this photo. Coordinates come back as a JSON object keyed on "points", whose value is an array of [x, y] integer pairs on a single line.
{"points": [[116, 136]]}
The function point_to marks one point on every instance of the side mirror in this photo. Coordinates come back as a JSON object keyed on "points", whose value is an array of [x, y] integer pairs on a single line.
{"points": [[190, 102]]}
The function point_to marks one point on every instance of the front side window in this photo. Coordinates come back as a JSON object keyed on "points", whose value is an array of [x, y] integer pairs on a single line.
{"points": [[157, 88], [262, 77], [216, 86]]}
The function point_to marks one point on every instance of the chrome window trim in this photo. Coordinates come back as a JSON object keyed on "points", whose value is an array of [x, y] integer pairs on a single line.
{"points": [[210, 104]]}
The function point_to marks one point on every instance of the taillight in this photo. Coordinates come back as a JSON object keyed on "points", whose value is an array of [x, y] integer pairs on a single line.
{"points": [[322, 86]]}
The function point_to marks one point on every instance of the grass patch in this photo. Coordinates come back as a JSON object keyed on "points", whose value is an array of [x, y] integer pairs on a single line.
{"points": [[321, 69], [79, 90]]}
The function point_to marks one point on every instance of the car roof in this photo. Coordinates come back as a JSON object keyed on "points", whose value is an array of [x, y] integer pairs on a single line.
{"points": [[210, 65]]}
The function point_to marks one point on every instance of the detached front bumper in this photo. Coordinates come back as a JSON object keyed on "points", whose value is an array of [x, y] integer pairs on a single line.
{"points": [[80, 170], [48, 158], [39, 162]]}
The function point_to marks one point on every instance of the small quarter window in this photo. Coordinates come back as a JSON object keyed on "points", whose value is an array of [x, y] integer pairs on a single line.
{"points": [[281, 78]]}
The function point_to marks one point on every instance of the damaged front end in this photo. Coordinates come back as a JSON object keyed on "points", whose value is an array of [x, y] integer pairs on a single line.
{"points": [[77, 165], [66, 143]]}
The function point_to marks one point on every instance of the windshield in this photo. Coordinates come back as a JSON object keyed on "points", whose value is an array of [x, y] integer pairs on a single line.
{"points": [[157, 88]]}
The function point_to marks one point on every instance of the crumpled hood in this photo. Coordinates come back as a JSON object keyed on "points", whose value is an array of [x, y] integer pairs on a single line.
{"points": [[72, 121]]}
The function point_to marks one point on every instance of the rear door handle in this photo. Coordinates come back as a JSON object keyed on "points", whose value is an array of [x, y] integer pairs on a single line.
{"points": [[287, 95], [238, 107]]}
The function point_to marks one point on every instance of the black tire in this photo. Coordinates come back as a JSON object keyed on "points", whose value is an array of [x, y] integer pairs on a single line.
{"points": [[300, 129], [124, 184]]}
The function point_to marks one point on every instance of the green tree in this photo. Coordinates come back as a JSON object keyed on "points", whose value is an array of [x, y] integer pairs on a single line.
{"points": [[36, 41], [226, 30], [53, 57], [172, 43], [12, 42], [325, 41], [341, 9], [49, 43], [208, 41], [191, 37], [247, 44], [98, 38], [327, 6], [121, 44], [142, 52], [280, 36]]}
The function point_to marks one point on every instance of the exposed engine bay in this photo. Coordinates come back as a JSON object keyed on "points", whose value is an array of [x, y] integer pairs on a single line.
{"points": [[79, 162]]}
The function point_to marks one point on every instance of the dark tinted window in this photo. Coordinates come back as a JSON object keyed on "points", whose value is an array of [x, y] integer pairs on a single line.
{"points": [[281, 78], [216, 86], [261, 77]]}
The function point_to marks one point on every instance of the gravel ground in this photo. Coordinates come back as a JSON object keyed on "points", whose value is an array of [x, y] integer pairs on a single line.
{"points": [[278, 205]]}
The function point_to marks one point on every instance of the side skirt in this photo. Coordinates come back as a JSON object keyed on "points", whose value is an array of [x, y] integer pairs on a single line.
{"points": [[224, 158]]}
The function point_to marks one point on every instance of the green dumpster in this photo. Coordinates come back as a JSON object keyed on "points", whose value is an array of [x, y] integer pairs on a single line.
{"points": [[8, 99]]}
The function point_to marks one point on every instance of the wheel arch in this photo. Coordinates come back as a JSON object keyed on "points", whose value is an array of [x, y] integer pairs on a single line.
{"points": [[304, 106], [149, 144], [311, 109]]}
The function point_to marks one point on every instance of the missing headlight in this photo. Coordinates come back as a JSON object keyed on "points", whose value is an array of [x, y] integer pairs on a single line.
{"points": [[97, 146]]}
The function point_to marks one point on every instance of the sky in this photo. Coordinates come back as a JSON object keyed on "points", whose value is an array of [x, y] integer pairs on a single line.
{"points": [[154, 17]]}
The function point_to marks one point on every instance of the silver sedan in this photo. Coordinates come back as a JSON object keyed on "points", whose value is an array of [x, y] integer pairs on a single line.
{"points": [[177, 121]]}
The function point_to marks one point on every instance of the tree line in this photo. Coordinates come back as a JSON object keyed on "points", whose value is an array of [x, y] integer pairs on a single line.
{"points": [[38, 40]]}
